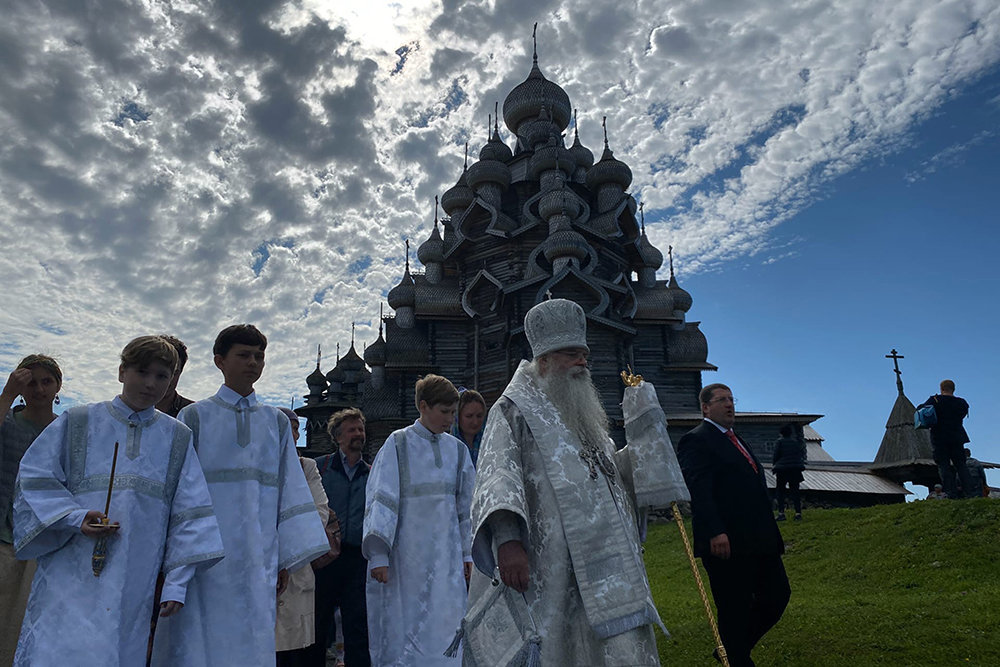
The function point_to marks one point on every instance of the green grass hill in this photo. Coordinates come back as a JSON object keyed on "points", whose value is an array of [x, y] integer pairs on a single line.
{"points": [[910, 584]]}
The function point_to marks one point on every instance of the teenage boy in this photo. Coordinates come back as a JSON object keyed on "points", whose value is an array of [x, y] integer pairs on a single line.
{"points": [[161, 518], [268, 519], [417, 534]]}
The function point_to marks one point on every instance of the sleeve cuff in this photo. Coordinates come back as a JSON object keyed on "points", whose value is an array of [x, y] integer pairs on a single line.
{"points": [[72, 521], [175, 583], [504, 526]]}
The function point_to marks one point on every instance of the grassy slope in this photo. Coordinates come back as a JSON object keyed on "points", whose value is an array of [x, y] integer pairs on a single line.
{"points": [[913, 584]]}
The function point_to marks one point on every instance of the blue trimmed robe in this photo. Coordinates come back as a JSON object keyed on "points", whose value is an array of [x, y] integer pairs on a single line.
{"points": [[268, 521], [417, 523], [167, 523]]}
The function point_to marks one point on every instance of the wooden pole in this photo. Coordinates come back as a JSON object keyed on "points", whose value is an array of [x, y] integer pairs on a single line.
{"points": [[719, 648]]}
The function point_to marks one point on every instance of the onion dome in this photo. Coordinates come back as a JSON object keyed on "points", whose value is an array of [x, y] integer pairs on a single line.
{"points": [[404, 294], [375, 353], [488, 171], [431, 250], [550, 157], [651, 257], [336, 375], [581, 154], [556, 202], [495, 148], [457, 198], [316, 382], [531, 95], [565, 243], [682, 299], [353, 367], [538, 131], [609, 170]]}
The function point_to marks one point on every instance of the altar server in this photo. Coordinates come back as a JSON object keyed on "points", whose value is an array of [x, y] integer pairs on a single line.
{"points": [[267, 515], [84, 610]]}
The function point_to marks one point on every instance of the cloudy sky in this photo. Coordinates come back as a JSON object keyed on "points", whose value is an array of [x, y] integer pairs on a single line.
{"points": [[826, 172]]}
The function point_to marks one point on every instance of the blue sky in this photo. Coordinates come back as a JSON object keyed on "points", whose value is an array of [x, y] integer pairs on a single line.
{"points": [[885, 261], [826, 173]]}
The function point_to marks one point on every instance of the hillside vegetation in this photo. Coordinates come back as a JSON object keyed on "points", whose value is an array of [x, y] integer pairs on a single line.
{"points": [[909, 584]]}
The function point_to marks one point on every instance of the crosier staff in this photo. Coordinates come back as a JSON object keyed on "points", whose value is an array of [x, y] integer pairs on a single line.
{"points": [[645, 420]]}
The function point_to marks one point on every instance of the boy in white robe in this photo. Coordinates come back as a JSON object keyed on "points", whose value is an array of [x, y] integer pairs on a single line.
{"points": [[160, 506], [266, 513], [417, 535]]}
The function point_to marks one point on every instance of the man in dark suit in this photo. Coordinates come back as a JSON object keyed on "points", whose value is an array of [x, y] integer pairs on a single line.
{"points": [[734, 530], [342, 582], [947, 437]]}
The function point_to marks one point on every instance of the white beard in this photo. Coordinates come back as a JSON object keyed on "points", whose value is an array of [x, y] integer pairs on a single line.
{"points": [[575, 397]]}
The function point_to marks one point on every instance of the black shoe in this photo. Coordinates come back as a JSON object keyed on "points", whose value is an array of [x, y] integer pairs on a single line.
{"points": [[781, 516], [798, 517]]}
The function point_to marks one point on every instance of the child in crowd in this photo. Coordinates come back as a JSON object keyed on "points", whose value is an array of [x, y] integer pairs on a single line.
{"points": [[417, 534], [160, 506], [267, 515]]}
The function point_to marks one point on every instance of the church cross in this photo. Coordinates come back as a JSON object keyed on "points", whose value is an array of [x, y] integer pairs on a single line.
{"points": [[642, 216], [548, 294], [670, 254], [352, 334], [604, 124], [534, 45], [319, 354], [895, 363], [407, 255]]}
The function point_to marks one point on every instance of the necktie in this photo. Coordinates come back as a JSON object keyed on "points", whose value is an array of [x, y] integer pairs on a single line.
{"points": [[732, 438]]}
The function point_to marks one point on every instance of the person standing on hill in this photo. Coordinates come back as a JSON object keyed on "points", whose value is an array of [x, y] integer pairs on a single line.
{"points": [[789, 462], [948, 437], [734, 531]]}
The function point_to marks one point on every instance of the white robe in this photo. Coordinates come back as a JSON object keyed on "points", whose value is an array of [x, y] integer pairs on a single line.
{"points": [[588, 600], [417, 513], [268, 521], [162, 503]]}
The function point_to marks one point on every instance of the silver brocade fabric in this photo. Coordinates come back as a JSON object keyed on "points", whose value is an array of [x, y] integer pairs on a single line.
{"points": [[588, 598]]}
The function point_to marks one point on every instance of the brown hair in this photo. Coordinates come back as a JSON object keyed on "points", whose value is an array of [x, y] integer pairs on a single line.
{"points": [[43, 361], [470, 396], [238, 334], [339, 417], [144, 350], [182, 350], [948, 385], [436, 390], [706, 394]]}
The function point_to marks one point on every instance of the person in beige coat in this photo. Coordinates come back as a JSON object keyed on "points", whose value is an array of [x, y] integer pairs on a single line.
{"points": [[295, 626]]}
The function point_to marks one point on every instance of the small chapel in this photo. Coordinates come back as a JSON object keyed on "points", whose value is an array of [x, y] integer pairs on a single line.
{"points": [[534, 218]]}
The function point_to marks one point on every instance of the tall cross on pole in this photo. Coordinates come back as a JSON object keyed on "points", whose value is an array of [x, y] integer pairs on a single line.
{"points": [[895, 362]]}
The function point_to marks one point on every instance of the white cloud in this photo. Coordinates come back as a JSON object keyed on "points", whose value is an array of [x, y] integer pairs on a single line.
{"points": [[152, 150]]}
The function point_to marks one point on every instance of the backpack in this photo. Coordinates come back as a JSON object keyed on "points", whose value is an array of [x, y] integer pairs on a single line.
{"points": [[925, 417]]}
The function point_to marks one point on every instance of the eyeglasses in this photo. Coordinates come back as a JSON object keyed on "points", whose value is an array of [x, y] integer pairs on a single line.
{"points": [[724, 399]]}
